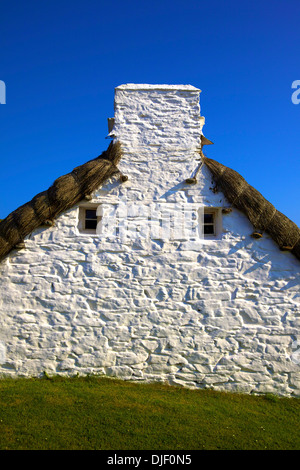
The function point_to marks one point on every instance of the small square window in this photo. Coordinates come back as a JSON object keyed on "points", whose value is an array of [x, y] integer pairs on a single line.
{"points": [[89, 219], [210, 222], [209, 226]]}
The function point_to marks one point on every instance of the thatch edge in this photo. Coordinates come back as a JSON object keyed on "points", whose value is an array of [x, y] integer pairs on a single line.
{"points": [[263, 215], [64, 193]]}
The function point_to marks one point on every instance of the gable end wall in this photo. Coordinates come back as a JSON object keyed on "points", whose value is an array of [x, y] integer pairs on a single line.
{"points": [[221, 314], [153, 302]]}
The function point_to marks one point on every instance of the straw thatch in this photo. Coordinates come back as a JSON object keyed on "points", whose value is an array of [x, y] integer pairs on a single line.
{"points": [[70, 189], [65, 192], [264, 217]]}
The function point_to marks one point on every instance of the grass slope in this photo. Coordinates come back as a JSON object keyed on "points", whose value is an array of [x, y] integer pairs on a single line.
{"points": [[99, 413]]}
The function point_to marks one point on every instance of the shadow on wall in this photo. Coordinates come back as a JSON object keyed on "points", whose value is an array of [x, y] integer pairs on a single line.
{"points": [[173, 190], [292, 283]]}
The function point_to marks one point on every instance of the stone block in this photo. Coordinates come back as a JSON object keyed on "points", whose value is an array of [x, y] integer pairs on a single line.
{"points": [[97, 359]]}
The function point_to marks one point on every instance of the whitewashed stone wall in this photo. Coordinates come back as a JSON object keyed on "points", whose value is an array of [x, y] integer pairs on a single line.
{"points": [[150, 301]]}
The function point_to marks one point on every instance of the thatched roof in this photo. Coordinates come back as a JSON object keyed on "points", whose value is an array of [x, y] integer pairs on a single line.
{"points": [[70, 189], [261, 213], [64, 193]]}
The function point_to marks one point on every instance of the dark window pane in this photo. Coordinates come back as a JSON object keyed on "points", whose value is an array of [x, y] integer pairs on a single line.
{"points": [[208, 229], [90, 214], [208, 218], [91, 224]]}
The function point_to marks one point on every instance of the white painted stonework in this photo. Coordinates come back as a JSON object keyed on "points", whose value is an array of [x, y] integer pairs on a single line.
{"points": [[148, 298]]}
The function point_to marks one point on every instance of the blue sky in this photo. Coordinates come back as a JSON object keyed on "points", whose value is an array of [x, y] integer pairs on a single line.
{"points": [[61, 61]]}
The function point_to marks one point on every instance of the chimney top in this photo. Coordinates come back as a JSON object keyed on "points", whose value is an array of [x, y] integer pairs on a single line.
{"points": [[145, 86]]}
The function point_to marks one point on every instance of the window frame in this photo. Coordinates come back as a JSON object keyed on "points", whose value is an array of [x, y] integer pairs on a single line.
{"points": [[217, 222], [82, 219]]}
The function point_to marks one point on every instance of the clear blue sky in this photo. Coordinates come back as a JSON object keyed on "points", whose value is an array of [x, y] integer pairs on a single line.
{"points": [[61, 61]]}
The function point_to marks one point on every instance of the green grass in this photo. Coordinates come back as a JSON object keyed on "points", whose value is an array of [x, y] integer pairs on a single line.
{"points": [[99, 413]]}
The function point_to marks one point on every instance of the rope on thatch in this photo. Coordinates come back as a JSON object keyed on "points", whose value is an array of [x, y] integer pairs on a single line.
{"points": [[261, 213], [65, 192]]}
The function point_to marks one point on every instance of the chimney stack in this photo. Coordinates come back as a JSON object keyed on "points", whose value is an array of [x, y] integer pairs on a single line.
{"points": [[157, 116], [159, 128]]}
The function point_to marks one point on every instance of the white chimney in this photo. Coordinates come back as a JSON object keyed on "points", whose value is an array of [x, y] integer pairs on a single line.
{"points": [[157, 115], [160, 128]]}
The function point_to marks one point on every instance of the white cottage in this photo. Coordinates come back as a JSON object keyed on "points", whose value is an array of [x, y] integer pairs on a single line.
{"points": [[153, 262]]}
